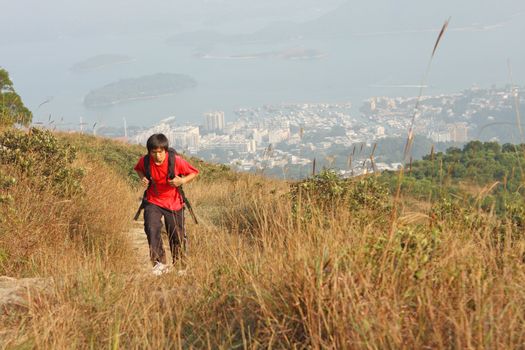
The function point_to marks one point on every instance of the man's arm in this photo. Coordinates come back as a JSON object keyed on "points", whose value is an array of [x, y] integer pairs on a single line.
{"points": [[145, 184], [143, 179], [179, 181], [185, 169]]}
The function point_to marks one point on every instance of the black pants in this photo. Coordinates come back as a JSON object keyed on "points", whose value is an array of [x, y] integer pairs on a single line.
{"points": [[174, 222]]}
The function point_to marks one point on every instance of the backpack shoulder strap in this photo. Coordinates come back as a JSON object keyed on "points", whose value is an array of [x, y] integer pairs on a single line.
{"points": [[172, 171], [147, 167]]}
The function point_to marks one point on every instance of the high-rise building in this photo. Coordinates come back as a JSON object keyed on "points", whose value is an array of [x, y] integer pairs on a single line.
{"points": [[214, 121], [373, 104], [184, 136]]}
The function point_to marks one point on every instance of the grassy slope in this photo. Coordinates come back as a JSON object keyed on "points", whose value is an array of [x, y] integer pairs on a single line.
{"points": [[63, 208], [310, 268]]}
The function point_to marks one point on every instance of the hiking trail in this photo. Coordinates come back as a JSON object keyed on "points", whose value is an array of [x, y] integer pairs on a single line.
{"points": [[139, 246]]}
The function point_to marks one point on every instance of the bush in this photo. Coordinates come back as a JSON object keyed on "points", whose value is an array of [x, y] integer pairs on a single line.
{"points": [[39, 154], [5, 183], [411, 248], [329, 192]]}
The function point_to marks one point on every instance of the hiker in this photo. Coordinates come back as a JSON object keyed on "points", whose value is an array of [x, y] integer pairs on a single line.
{"points": [[163, 199]]}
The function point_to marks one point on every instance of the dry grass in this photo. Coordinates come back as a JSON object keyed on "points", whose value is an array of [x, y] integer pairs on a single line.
{"points": [[44, 234], [258, 278]]}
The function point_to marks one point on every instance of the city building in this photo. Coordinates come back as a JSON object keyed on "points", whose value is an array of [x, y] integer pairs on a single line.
{"points": [[214, 121], [184, 136]]}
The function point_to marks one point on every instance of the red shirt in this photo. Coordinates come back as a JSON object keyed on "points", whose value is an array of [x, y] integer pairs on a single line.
{"points": [[160, 192]]}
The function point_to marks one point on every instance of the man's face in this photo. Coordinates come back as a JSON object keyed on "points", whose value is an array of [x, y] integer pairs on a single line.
{"points": [[158, 155]]}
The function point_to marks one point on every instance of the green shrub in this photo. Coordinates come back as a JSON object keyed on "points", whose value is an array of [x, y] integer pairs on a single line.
{"points": [[369, 193], [5, 183], [515, 210], [328, 192], [412, 248], [39, 154]]}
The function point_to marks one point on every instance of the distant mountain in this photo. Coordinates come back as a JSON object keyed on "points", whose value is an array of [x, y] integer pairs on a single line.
{"points": [[374, 17], [383, 16]]}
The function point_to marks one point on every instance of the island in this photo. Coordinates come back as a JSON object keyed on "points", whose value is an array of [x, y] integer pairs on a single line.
{"points": [[145, 87], [99, 61]]}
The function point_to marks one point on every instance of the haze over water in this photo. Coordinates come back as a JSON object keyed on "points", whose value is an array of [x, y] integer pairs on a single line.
{"points": [[366, 50]]}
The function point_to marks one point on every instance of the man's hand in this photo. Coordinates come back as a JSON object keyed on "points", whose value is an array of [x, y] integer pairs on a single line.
{"points": [[145, 182], [177, 181]]}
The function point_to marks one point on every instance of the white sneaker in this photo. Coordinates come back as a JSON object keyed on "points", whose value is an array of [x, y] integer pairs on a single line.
{"points": [[160, 269]]}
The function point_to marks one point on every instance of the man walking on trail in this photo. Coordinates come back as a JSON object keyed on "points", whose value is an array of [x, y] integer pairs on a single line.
{"points": [[163, 200]]}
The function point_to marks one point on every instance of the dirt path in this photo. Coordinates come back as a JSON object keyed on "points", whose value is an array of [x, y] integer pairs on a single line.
{"points": [[140, 248], [139, 244]]}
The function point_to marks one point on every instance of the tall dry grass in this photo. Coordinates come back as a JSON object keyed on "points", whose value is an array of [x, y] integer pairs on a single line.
{"points": [[259, 276], [44, 234]]}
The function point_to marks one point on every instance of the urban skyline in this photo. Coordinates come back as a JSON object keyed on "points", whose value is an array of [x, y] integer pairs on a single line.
{"points": [[291, 135]]}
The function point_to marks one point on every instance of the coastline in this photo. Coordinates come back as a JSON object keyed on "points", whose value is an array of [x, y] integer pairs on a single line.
{"points": [[129, 99]]}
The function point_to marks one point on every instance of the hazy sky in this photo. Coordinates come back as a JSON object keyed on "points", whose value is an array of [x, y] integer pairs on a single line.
{"points": [[33, 19], [53, 17]]}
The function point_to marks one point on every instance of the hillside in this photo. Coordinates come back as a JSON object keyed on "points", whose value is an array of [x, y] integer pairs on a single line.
{"points": [[321, 263], [490, 168]]}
